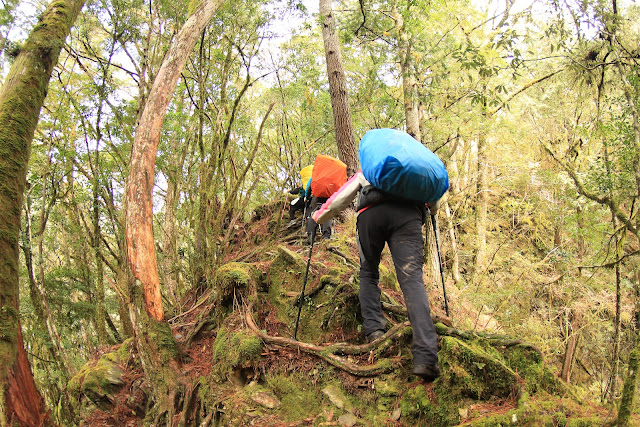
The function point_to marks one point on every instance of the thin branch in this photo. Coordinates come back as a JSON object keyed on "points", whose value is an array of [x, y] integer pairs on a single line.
{"points": [[602, 200], [522, 89]]}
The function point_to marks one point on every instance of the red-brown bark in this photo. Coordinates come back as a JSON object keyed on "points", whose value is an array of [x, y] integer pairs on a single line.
{"points": [[139, 211], [21, 98], [25, 405]]}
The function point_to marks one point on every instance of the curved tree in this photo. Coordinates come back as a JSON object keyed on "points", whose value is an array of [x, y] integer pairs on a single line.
{"points": [[153, 335]]}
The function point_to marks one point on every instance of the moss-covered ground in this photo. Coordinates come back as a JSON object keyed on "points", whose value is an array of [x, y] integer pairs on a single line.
{"points": [[239, 379]]}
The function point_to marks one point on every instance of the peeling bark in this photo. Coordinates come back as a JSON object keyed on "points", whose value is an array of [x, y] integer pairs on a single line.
{"points": [[139, 207]]}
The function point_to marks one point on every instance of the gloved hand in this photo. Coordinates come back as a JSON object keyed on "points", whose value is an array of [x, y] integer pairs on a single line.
{"points": [[434, 206]]}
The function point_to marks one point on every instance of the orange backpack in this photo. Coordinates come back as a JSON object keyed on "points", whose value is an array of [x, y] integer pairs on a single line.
{"points": [[329, 174]]}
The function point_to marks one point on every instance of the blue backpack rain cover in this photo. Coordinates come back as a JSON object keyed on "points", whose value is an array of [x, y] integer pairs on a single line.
{"points": [[396, 163]]}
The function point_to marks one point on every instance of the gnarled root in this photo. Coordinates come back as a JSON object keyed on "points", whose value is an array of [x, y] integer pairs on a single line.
{"points": [[329, 353]]}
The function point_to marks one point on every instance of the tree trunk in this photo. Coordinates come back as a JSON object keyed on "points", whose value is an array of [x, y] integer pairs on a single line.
{"points": [[410, 91], [482, 206], [455, 259], [21, 98], [581, 231], [627, 402], [156, 345], [570, 348], [482, 199], [139, 190], [39, 298], [338, 90], [101, 312]]}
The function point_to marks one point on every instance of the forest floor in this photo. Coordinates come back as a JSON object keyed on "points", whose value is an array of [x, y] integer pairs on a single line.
{"points": [[284, 383]]}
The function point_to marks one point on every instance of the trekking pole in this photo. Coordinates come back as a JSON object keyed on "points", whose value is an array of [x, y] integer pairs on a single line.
{"points": [[304, 283], [444, 290]]}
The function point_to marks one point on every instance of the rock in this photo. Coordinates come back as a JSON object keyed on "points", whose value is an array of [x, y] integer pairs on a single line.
{"points": [[337, 398], [348, 420], [266, 399], [395, 416]]}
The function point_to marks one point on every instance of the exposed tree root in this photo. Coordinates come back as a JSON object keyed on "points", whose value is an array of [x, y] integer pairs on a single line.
{"points": [[328, 353], [203, 319], [346, 258], [495, 340], [400, 310]]}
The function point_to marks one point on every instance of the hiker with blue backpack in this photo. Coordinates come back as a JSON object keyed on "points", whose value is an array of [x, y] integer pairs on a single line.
{"points": [[400, 179]]}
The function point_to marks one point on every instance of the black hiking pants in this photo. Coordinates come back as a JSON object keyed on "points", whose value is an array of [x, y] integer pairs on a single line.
{"points": [[400, 226]]}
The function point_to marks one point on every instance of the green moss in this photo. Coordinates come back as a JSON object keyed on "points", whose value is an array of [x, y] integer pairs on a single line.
{"points": [[473, 371], [98, 382], [8, 323], [584, 422], [328, 280], [233, 278], [419, 409], [160, 333], [124, 350], [536, 416], [388, 388], [335, 271], [235, 349], [300, 399]]}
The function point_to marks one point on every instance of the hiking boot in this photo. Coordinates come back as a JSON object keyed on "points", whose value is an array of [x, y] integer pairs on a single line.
{"points": [[375, 335], [428, 373]]}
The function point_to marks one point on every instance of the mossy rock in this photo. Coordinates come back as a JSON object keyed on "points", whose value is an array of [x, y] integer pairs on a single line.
{"points": [[98, 382], [476, 371], [287, 270], [232, 349], [234, 279], [529, 365], [419, 406]]}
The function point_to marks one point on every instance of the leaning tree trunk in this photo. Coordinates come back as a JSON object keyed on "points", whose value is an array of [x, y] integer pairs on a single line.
{"points": [[338, 90], [21, 98], [155, 342]]}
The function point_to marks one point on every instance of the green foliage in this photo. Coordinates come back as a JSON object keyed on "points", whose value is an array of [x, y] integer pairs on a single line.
{"points": [[545, 256]]}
